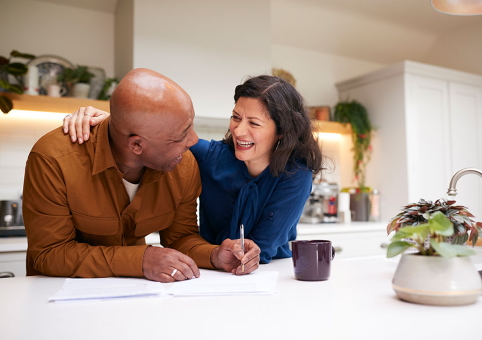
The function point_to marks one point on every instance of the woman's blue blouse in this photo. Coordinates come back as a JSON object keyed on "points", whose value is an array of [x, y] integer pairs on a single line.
{"points": [[269, 207]]}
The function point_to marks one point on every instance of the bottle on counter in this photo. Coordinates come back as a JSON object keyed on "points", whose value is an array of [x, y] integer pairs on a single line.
{"points": [[374, 198]]}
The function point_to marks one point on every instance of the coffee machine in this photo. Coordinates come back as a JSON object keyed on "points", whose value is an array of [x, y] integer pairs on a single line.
{"points": [[322, 205], [11, 221]]}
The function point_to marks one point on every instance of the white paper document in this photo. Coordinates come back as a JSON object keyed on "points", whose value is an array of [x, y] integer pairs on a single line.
{"points": [[101, 288], [212, 282]]}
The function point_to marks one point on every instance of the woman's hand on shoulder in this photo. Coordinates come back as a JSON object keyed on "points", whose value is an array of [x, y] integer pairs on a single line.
{"points": [[78, 124]]}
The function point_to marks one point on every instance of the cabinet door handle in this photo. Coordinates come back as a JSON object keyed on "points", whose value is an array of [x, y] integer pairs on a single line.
{"points": [[338, 249], [384, 245], [6, 274]]}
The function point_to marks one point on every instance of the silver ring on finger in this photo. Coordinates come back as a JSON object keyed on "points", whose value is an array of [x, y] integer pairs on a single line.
{"points": [[174, 272]]}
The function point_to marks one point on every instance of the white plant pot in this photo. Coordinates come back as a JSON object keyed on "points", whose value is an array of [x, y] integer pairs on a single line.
{"points": [[434, 280], [81, 90]]}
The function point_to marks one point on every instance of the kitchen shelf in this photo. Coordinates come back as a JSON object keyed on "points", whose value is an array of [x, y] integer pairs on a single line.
{"points": [[68, 105], [50, 104]]}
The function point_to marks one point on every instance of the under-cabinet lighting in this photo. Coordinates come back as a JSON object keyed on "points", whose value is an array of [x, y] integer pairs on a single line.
{"points": [[35, 115], [330, 136]]}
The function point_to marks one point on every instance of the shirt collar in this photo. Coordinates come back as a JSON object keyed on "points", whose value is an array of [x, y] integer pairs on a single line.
{"points": [[103, 158]]}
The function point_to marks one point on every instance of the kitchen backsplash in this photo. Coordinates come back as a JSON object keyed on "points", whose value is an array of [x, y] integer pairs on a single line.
{"points": [[18, 135]]}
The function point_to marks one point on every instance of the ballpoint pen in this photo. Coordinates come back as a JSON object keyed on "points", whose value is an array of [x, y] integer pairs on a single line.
{"points": [[241, 233]]}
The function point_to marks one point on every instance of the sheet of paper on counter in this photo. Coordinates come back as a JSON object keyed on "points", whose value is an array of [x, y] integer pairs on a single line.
{"points": [[102, 288], [212, 282]]}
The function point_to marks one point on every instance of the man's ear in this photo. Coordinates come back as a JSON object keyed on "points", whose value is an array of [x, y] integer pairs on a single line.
{"points": [[135, 144]]}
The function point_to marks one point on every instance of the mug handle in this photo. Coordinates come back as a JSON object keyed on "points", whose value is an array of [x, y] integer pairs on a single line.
{"points": [[63, 90], [332, 253]]}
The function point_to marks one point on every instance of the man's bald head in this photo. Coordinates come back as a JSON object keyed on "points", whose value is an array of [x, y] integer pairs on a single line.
{"points": [[143, 96]]}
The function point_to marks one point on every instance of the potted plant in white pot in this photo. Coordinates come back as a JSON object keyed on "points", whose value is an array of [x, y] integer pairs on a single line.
{"points": [[77, 81], [437, 270]]}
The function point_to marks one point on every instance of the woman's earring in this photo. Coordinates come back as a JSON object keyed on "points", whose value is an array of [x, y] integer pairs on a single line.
{"points": [[279, 140]]}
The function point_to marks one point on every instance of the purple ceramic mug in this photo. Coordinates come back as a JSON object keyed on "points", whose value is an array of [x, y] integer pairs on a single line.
{"points": [[312, 259]]}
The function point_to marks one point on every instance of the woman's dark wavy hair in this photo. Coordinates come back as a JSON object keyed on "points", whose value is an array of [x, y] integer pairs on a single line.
{"points": [[286, 107]]}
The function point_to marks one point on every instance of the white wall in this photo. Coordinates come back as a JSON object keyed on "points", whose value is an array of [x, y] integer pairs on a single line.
{"points": [[81, 36], [207, 47], [316, 73]]}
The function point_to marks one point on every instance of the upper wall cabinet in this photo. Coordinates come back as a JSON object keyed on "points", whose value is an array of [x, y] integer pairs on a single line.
{"points": [[428, 121]]}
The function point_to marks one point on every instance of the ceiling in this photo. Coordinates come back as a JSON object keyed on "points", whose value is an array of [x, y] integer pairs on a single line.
{"points": [[379, 31], [414, 14], [417, 14], [96, 5]]}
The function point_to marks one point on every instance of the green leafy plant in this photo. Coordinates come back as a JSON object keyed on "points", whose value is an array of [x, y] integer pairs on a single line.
{"points": [[15, 70], [72, 76], [356, 115], [414, 214], [438, 228], [430, 239], [104, 94]]}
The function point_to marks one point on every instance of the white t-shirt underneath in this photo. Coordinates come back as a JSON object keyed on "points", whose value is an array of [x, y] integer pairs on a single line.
{"points": [[131, 189]]}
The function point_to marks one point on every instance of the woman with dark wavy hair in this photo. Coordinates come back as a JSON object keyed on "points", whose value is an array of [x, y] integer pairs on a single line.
{"points": [[260, 174]]}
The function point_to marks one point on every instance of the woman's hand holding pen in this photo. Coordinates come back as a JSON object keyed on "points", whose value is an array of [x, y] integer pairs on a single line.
{"points": [[229, 256]]}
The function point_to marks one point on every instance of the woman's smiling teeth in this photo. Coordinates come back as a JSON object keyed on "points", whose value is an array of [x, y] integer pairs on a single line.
{"points": [[244, 144]]}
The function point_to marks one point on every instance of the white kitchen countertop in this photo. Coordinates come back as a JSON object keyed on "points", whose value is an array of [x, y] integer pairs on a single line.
{"points": [[14, 244], [328, 228], [357, 302]]}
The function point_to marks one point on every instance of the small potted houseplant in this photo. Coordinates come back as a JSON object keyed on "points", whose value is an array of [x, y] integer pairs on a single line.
{"points": [[109, 86], [354, 113], [12, 70], [434, 267], [77, 81]]}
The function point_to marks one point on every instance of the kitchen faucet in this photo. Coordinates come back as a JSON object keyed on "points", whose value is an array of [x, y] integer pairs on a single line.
{"points": [[453, 182]]}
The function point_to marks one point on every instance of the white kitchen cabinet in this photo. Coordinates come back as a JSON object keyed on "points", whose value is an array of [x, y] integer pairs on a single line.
{"points": [[13, 262], [357, 239], [428, 121], [13, 255]]}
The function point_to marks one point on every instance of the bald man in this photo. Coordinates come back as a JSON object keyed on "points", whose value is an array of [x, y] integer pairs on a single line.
{"points": [[87, 207]]}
